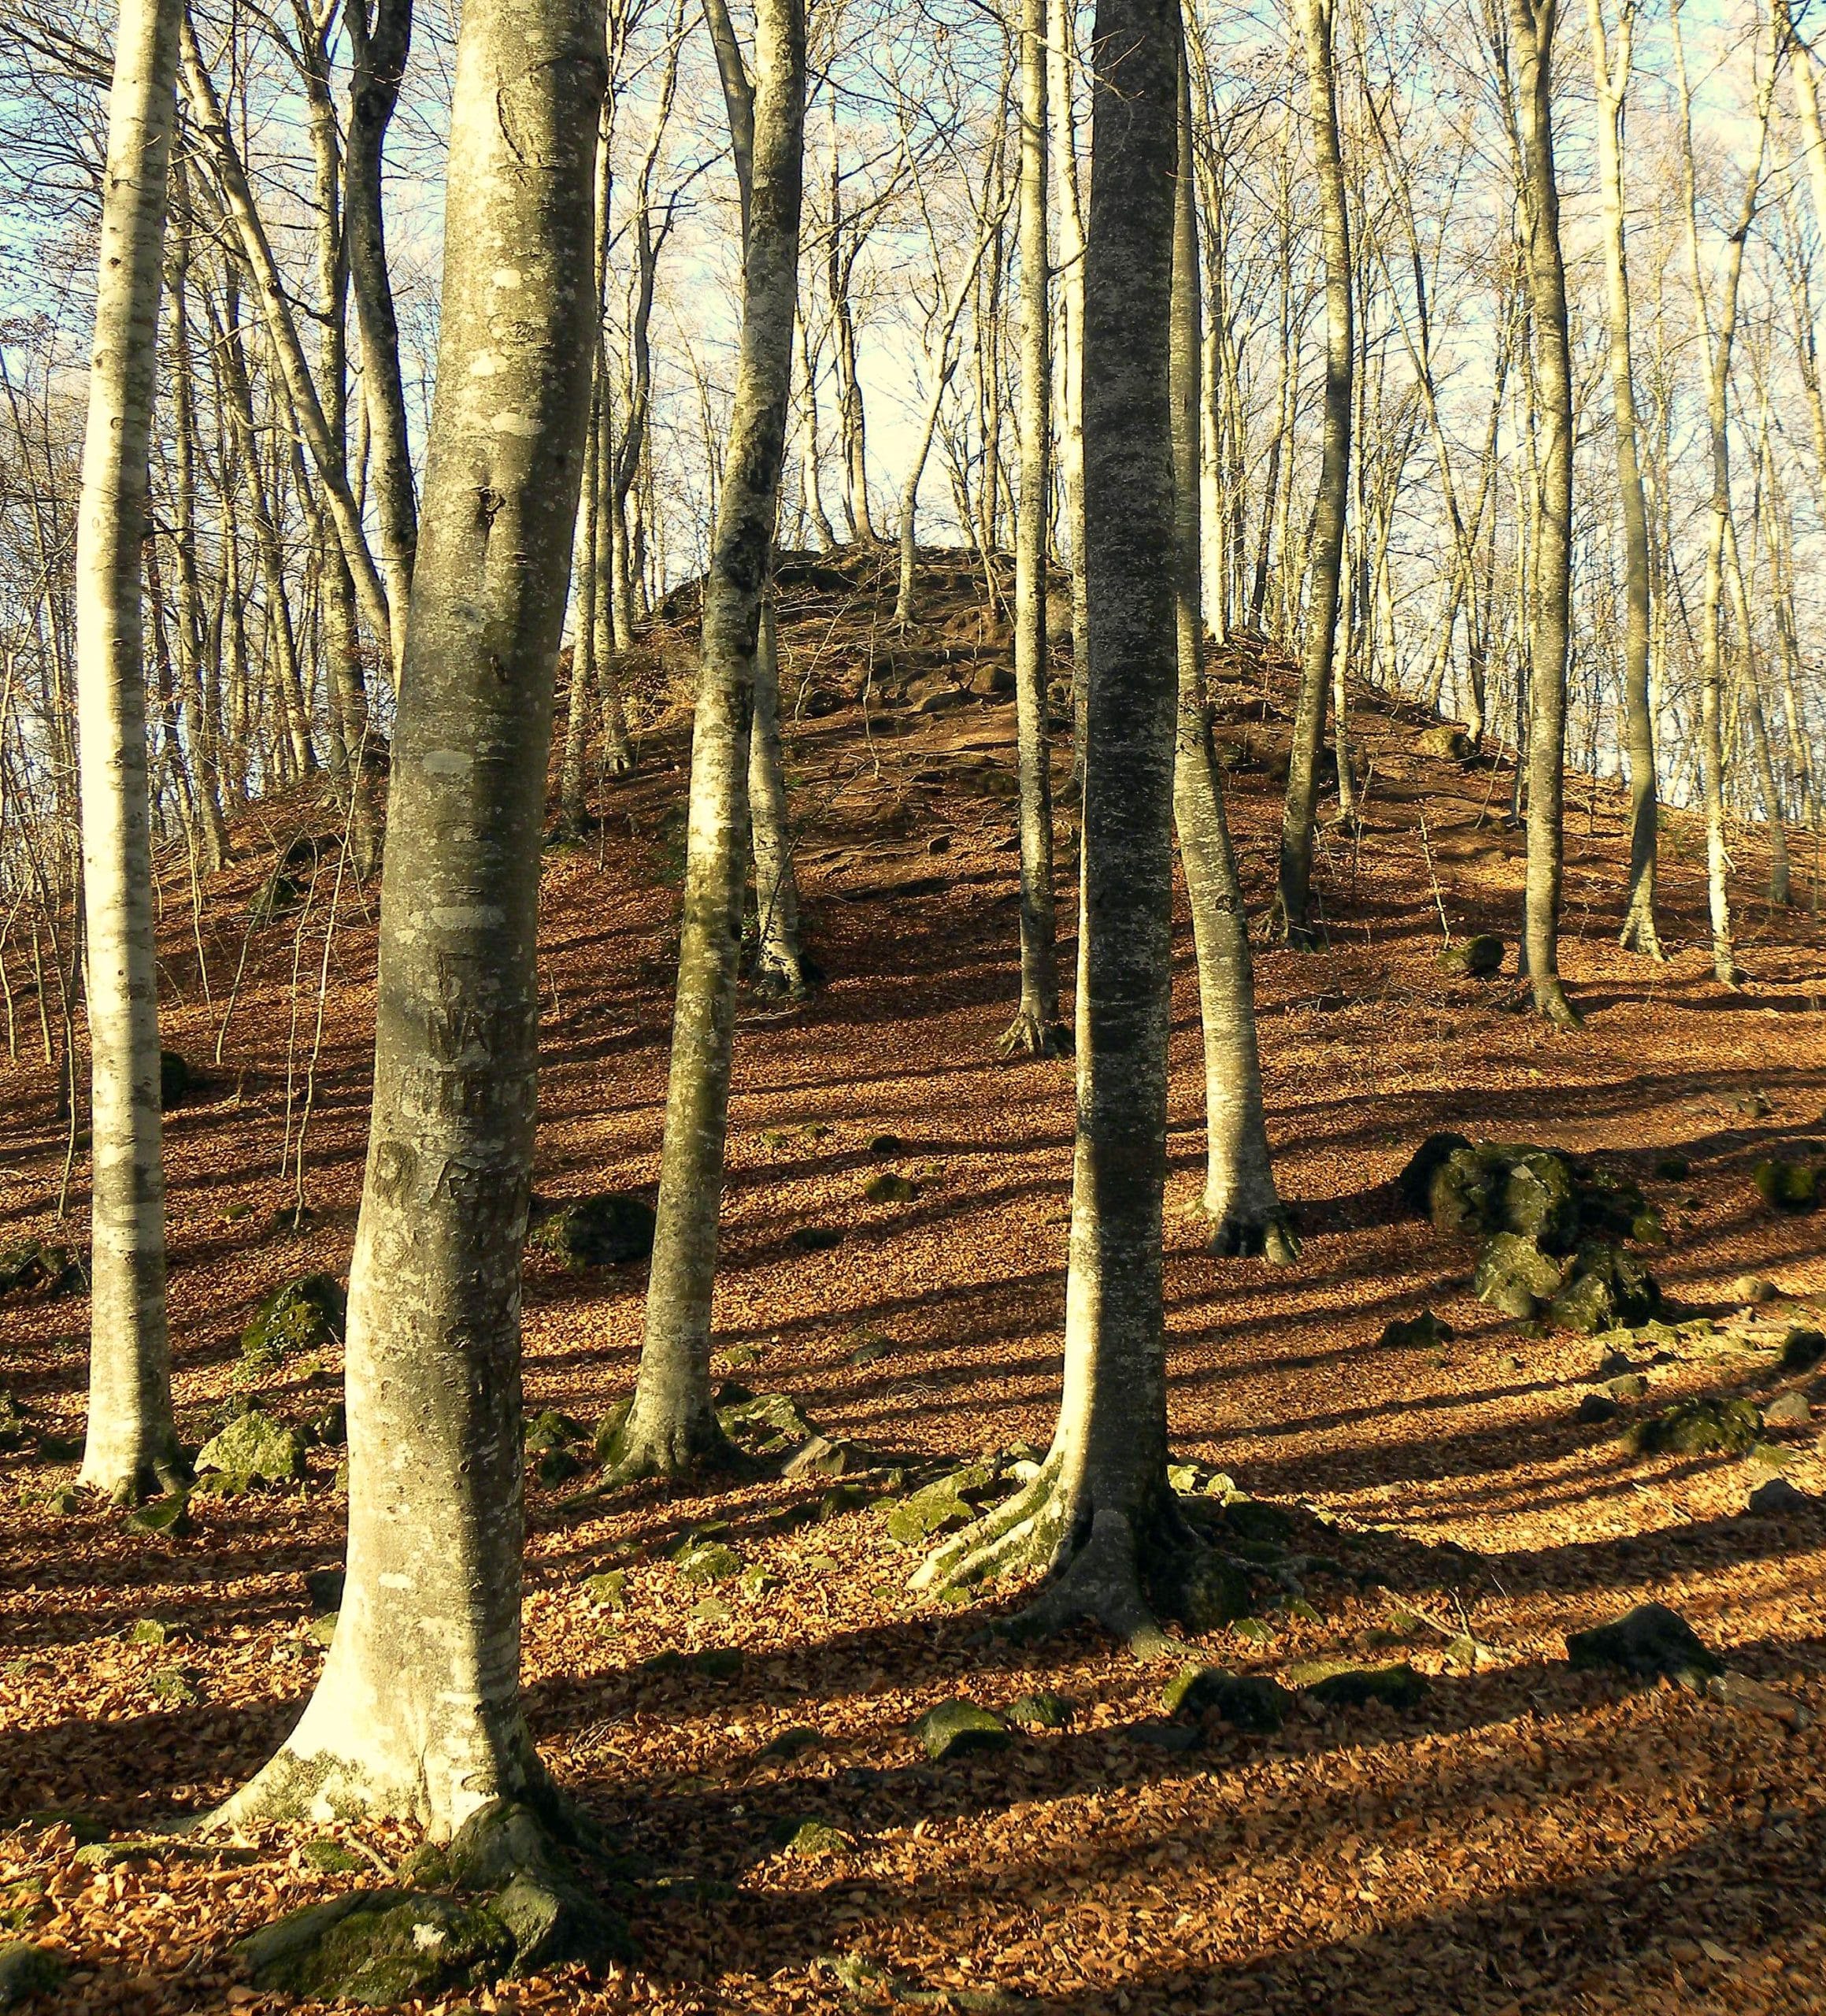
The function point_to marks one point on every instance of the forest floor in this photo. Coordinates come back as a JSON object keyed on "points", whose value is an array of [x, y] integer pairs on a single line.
{"points": [[1526, 1837]]}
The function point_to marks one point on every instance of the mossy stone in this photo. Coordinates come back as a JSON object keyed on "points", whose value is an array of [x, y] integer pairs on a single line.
{"points": [[27, 1969], [1540, 1199], [936, 1508], [1416, 1181], [609, 1590], [1802, 1348], [1699, 1428], [1480, 957], [701, 1561], [813, 1840], [886, 1186], [1784, 1185], [1340, 1684], [1514, 1275], [1041, 1710], [955, 1727], [255, 1448], [378, 1947], [1425, 1332], [1247, 1701], [1650, 1642], [331, 1858], [611, 1229], [169, 1515], [308, 1314]]}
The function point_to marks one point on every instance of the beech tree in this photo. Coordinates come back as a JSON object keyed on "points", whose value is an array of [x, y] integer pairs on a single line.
{"points": [[417, 1712], [131, 1444], [671, 1428], [1099, 1516]]}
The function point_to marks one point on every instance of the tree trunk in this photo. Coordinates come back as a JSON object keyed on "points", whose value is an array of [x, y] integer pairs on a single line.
{"points": [[1062, 70], [780, 964], [1535, 22], [671, 1427], [1036, 1030], [1099, 1514], [1295, 899], [417, 1713], [1639, 933], [378, 48], [1240, 1198], [131, 1442]]}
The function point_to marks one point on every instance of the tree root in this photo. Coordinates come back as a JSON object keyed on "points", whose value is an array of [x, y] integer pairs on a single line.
{"points": [[1552, 1005], [1098, 1572], [1031, 1034], [786, 976], [673, 1452], [1266, 1234], [1639, 935]]}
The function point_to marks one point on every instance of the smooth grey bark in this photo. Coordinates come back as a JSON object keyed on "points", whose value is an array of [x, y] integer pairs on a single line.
{"points": [[1062, 73], [1098, 1515], [417, 1713], [671, 1428], [1036, 1030], [781, 963], [1294, 900], [1612, 80], [131, 1443], [1762, 754], [1535, 23], [379, 42], [1240, 1198]]}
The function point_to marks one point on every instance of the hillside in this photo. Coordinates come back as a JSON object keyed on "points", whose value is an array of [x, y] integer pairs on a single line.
{"points": [[1523, 1835]]}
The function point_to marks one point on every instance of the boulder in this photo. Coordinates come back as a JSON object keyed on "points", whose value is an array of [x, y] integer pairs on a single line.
{"points": [[1474, 958], [1604, 1288], [887, 1186], [1463, 1192], [1698, 1427], [993, 682], [255, 1448], [1452, 743], [1338, 1684], [1541, 1199], [611, 1229], [308, 1314], [815, 1238], [1792, 1187], [27, 1969], [936, 1508], [701, 1561], [175, 1077], [1249, 1701], [1425, 1332], [1416, 1181], [1776, 1497], [378, 1947], [1650, 1642], [1042, 1710], [1788, 1409], [37, 1267], [813, 1840], [1802, 1348], [955, 1727], [1514, 1275]]}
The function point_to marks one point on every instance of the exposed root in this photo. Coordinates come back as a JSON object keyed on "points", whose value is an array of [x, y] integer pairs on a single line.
{"points": [[1098, 1572], [1031, 1035], [1552, 1005], [671, 1451], [789, 976], [1639, 935], [620, 761], [1266, 1234]]}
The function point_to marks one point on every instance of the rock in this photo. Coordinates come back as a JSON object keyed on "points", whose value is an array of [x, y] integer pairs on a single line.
{"points": [[1650, 1643], [1425, 1332], [1541, 1199], [955, 1727], [1208, 1592], [873, 1348], [768, 1425], [1043, 1710], [329, 1429], [1340, 1684], [939, 699], [1597, 1407], [1246, 1701], [1788, 1186], [1802, 1348], [331, 1858], [607, 1590], [175, 1686], [38, 1268], [308, 1314], [150, 1631], [611, 1229], [930, 1510], [1776, 1496], [378, 1947], [175, 1077], [1753, 1106], [1672, 1169], [813, 1839], [1752, 1288], [815, 1238], [789, 1743], [276, 896], [169, 1515], [549, 1429], [1451, 744], [1604, 1288], [701, 1561], [256, 1449], [1415, 1181], [886, 1144], [1476, 958], [324, 1587], [827, 1456], [27, 1969], [1788, 1411], [840, 1500], [1698, 1427], [993, 682], [1626, 1386], [1514, 1275], [886, 1186]]}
